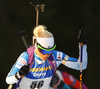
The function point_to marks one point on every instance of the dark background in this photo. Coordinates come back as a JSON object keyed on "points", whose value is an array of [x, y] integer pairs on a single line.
{"points": [[63, 18]]}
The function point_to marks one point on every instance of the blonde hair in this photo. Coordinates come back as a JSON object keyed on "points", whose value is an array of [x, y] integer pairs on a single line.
{"points": [[41, 31]]}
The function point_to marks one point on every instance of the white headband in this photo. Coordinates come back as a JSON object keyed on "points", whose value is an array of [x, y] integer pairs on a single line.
{"points": [[46, 42]]}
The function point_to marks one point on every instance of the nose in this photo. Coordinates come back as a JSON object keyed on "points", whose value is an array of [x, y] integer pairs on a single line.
{"points": [[46, 54]]}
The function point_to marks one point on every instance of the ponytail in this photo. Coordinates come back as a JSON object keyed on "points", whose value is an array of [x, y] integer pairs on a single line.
{"points": [[41, 31]]}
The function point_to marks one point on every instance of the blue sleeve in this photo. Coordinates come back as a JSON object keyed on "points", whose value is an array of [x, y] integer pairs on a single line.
{"points": [[72, 59], [58, 56]]}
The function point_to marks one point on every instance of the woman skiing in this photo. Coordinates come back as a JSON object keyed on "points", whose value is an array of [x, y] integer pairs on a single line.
{"points": [[38, 64]]}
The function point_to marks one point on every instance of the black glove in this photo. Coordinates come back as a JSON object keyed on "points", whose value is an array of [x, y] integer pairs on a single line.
{"points": [[82, 37], [24, 70], [55, 81]]}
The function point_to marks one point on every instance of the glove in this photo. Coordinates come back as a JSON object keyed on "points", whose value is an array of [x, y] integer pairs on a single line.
{"points": [[82, 37], [24, 70]]}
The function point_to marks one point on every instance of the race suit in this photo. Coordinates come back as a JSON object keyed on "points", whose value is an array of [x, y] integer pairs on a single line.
{"points": [[41, 73]]}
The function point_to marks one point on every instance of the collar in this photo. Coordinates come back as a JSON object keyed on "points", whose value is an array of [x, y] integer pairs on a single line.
{"points": [[38, 59]]}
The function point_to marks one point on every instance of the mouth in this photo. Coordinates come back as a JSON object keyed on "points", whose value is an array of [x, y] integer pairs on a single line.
{"points": [[45, 57]]}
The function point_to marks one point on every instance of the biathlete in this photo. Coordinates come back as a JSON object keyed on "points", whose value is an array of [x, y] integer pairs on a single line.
{"points": [[38, 64]]}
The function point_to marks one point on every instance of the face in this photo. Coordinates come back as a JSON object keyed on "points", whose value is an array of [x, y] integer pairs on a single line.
{"points": [[42, 54]]}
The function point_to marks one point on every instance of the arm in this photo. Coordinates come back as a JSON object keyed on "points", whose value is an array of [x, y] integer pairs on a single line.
{"points": [[76, 65], [82, 38], [14, 75]]}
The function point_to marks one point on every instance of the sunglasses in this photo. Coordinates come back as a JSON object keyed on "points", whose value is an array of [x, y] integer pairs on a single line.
{"points": [[45, 50]]}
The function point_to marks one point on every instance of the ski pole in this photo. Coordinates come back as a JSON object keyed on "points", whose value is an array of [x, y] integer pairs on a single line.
{"points": [[81, 65], [81, 56], [19, 81]]}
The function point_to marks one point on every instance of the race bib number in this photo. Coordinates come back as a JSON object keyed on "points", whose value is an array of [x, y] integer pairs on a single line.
{"points": [[37, 84], [27, 83]]}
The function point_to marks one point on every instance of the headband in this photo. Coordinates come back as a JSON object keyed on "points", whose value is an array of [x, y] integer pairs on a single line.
{"points": [[46, 42]]}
